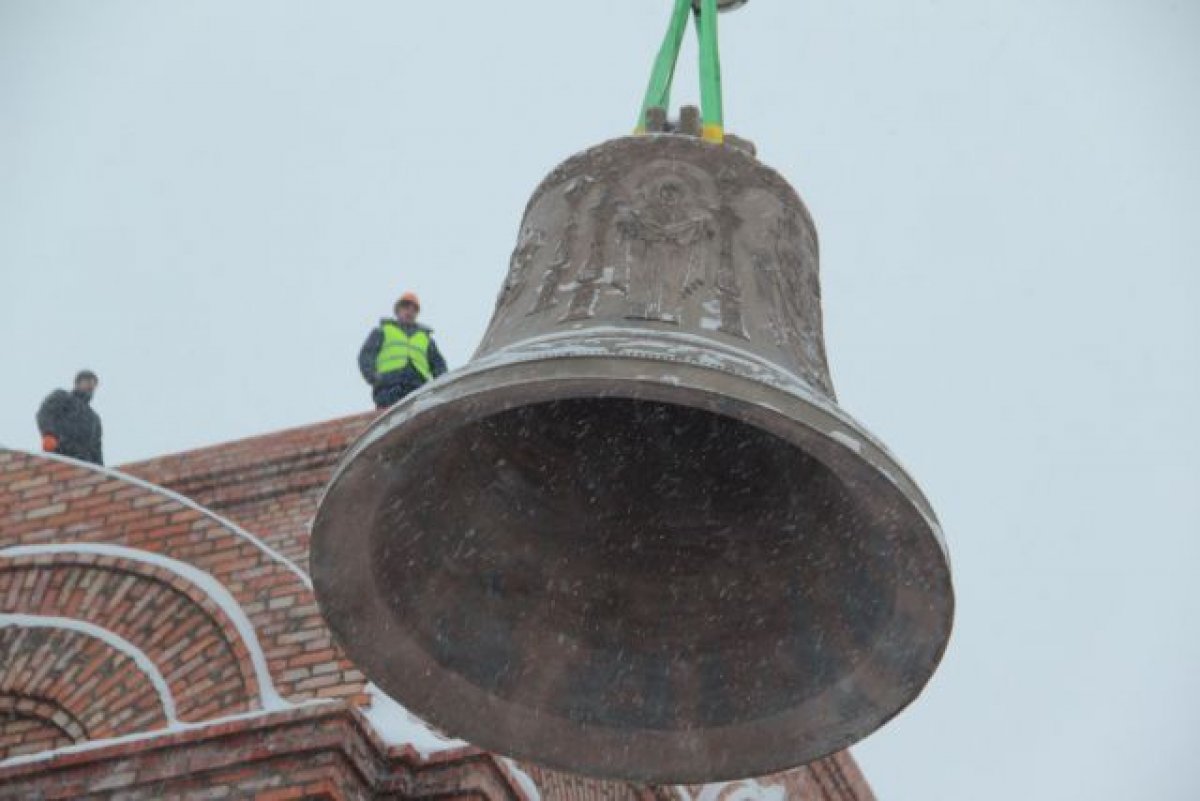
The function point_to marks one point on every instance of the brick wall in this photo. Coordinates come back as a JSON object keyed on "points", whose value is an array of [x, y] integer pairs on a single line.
{"points": [[323, 752], [268, 484], [265, 490], [53, 502], [836, 778], [75, 684], [29, 725], [204, 662]]}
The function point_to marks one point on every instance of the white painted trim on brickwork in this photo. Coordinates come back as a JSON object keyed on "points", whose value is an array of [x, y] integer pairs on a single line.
{"points": [[382, 715], [185, 501], [269, 697], [744, 790], [520, 778], [141, 736], [113, 640]]}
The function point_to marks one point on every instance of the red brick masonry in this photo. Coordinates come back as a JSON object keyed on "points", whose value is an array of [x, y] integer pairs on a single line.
{"points": [[159, 639]]}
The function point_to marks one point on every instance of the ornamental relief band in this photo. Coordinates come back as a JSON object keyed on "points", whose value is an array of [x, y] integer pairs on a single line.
{"points": [[674, 236]]}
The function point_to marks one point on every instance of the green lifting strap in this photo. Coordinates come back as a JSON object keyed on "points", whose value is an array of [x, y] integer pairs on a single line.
{"points": [[658, 93], [712, 107]]}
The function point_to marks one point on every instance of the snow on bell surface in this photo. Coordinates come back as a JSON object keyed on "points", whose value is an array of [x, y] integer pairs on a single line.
{"points": [[635, 537]]}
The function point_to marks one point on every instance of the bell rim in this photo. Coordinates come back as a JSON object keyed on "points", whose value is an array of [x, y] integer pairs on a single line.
{"points": [[674, 752], [628, 345]]}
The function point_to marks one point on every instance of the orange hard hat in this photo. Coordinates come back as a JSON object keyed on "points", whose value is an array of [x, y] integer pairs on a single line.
{"points": [[410, 297]]}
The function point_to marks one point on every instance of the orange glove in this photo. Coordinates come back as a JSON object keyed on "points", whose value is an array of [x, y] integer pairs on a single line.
{"points": [[49, 443]]}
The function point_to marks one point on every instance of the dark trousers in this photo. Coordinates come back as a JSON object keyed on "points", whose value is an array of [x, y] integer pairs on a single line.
{"points": [[391, 394]]}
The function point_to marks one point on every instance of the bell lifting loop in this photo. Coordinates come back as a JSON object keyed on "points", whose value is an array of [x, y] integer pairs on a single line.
{"points": [[658, 93]]}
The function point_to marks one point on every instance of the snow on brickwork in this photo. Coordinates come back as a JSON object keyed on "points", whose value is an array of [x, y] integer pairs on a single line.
{"points": [[400, 728]]}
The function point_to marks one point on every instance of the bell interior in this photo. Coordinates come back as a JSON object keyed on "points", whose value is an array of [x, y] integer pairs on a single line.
{"points": [[633, 564]]}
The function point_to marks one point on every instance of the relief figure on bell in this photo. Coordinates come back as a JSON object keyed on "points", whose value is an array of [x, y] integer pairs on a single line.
{"points": [[668, 232], [531, 242], [785, 279], [561, 216]]}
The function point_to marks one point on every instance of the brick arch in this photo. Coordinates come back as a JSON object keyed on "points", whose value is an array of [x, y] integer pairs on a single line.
{"points": [[52, 714], [29, 725], [75, 682], [179, 628], [51, 500], [548, 783]]}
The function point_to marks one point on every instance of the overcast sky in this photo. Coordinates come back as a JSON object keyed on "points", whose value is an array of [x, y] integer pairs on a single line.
{"points": [[210, 203]]}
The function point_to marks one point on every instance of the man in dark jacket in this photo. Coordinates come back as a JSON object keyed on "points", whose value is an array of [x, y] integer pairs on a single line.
{"points": [[399, 355], [68, 424]]}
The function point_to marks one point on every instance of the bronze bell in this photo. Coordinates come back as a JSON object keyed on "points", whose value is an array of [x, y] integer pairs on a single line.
{"points": [[635, 537]]}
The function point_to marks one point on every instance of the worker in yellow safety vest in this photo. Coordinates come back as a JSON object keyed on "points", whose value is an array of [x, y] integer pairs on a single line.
{"points": [[399, 354]]}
